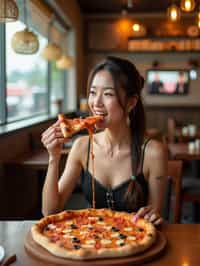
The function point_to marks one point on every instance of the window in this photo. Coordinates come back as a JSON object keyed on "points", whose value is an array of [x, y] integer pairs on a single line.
{"points": [[57, 92], [26, 75]]}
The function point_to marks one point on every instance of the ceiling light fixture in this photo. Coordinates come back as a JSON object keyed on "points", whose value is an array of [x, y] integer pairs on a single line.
{"points": [[9, 11], [187, 5], [26, 41], [51, 51], [173, 13]]}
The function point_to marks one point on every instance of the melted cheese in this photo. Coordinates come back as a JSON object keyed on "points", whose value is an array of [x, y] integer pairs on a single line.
{"points": [[115, 235], [120, 241], [90, 242], [87, 246], [131, 238], [106, 241], [66, 230], [128, 229], [51, 226]]}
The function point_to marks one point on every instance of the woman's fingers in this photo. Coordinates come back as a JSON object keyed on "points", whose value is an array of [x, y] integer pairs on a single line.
{"points": [[159, 221], [50, 133], [149, 214], [153, 217], [141, 213]]}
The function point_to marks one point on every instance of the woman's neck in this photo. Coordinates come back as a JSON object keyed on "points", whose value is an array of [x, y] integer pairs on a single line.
{"points": [[118, 139]]}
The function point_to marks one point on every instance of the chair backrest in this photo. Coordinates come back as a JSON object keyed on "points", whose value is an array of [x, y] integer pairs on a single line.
{"points": [[174, 185], [171, 126]]}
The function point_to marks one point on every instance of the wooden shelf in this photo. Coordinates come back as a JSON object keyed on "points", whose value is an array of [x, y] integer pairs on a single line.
{"points": [[164, 44], [123, 51]]}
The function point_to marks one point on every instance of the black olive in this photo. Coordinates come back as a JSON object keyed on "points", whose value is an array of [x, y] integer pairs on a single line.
{"points": [[73, 226], [75, 240], [122, 236], [100, 219], [141, 229], [150, 235], [77, 247], [121, 244], [114, 229]]}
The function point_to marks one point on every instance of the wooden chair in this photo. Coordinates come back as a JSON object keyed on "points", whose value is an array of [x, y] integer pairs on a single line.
{"points": [[181, 189], [171, 126], [174, 183]]}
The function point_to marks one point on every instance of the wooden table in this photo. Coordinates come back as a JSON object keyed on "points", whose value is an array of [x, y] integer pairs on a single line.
{"points": [[186, 138], [182, 250], [179, 151], [38, 160]]}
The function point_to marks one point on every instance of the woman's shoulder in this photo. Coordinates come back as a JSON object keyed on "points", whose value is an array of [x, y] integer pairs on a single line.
{"points": [[155, 149]]}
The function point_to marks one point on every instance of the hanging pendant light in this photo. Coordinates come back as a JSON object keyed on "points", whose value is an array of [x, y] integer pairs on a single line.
{"points": [[198, 18], [173, 13], [51, 51], [139, 30], [9, 11], [25, 41], [65, 62], [187, 5]]}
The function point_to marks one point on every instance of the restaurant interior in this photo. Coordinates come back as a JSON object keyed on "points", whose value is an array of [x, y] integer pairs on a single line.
{"points": [[47, 49]]}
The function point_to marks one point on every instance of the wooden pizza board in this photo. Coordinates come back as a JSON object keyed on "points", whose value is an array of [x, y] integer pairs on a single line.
{"points": [[152, 253]]}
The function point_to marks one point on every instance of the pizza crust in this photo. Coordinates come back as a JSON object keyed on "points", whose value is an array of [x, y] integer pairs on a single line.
{"points": [[92, 253]]}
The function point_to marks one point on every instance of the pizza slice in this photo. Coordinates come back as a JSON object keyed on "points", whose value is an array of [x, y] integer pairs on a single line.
{"points": [[71, 126]]}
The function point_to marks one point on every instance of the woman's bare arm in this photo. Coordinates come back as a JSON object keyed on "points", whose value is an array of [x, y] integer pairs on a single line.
{"points": [[157, 164], [155, 168], [57, 192]]}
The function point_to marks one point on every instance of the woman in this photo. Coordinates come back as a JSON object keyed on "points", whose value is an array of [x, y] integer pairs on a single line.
{"points": [[129, 173]]}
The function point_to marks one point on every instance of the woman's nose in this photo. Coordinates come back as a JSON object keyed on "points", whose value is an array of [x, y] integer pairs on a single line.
{"points": [[98, 101]]}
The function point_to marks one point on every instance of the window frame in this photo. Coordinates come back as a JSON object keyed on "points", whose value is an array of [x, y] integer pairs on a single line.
{"points": [[3, 106]]}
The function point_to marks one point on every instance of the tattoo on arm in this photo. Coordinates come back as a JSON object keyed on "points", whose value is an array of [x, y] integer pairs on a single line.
{"points": [[159, 178]]}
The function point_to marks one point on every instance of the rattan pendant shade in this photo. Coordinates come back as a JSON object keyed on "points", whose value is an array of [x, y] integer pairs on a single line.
{"points": [[52, 52], [65, 62], [25, 42], [8, 11]]}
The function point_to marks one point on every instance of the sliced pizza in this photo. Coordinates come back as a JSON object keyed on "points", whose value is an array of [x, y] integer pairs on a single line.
{"points": [[70, 127]]}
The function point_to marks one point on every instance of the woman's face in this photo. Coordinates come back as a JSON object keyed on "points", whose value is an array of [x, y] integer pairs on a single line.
{"points": [[103, 99]]}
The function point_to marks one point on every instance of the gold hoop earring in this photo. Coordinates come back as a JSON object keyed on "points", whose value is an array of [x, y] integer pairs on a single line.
{"points": [[128, 122]]}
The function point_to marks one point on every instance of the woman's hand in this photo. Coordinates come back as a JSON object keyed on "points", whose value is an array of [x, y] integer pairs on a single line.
{"points": [[53, 140], [149, 214]]}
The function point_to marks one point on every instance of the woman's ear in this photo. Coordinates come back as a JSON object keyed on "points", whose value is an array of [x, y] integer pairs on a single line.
{"points": [[132, 103]]}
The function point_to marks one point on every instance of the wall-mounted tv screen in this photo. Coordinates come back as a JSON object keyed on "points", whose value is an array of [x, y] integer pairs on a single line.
{"points": [[167, 82]]}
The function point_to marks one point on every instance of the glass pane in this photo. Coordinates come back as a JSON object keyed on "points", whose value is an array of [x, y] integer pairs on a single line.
{"points": [[26, 78], [57, 89]]}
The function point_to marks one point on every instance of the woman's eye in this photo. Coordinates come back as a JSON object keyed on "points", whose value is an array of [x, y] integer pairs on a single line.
{"points": [[92, 92], [108, 94]]}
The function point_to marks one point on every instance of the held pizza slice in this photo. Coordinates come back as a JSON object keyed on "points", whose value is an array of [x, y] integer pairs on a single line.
{"points": [[72, 126]]}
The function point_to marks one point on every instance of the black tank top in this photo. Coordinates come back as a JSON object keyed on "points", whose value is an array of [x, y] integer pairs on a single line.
{"points": [[111, 197]]}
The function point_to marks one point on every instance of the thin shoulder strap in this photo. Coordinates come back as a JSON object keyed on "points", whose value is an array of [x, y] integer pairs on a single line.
{"points": [[88, 155], [143, 152]]}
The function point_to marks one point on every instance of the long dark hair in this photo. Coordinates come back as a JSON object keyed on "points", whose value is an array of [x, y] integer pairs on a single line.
{"points": [[126, 76]]}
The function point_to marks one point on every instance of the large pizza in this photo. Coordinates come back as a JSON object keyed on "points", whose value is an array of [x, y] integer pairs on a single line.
{"points": [[93, 233]]}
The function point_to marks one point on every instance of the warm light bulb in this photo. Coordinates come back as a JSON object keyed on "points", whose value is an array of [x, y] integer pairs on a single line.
{"points": [[198, 24], [173, 13], [198, 15], [187, 5], [136, 27]]}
